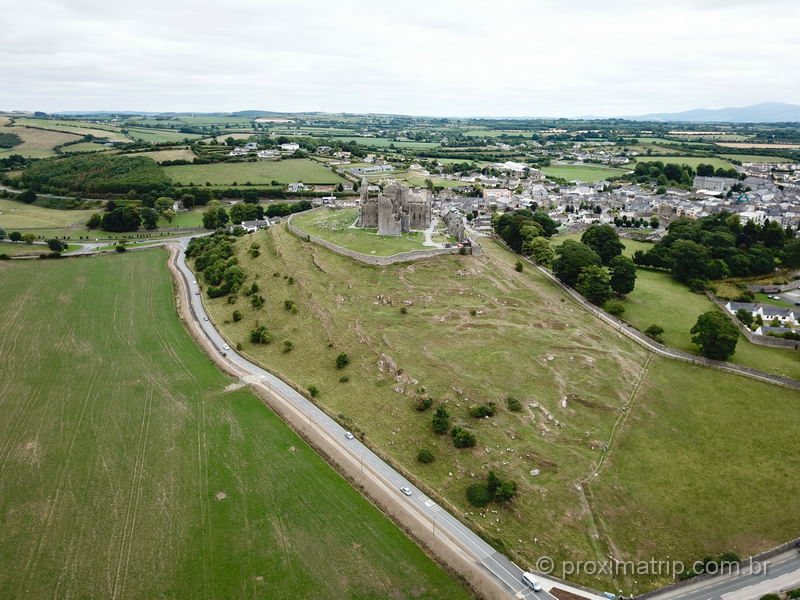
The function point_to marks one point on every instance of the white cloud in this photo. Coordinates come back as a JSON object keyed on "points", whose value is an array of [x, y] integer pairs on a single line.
{"points": [[451, 58]]}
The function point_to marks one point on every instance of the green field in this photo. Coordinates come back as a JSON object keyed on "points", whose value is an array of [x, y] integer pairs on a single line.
{"points": [[78, 127], [658, 299], [657, 140], [157, 136], [132, 468], [18, 215], [384, 143], [36, 143], [474, 330], [583, 173], [260, 173], [334, 226], [20, 249], [85, 147], [191, 218], [692, 161], [756, 158]]}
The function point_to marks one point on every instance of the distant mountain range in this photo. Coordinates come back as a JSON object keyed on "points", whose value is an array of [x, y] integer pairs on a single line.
{"points": [[767, 112]]}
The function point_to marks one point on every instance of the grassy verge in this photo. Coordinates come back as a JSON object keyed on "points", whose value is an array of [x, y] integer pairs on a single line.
{"points": [[132, 467]]}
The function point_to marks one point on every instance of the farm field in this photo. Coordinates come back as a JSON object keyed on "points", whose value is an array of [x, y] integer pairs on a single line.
{"points": [[583, 173], [383, 142], [660, 140], [20, 215], [191, 218], [132, 468], [334, 226], [658, 299], [259, 173], [171, 154], [473, 331], [756, 145], [692, 161], [84, 147], [36, 143], [78, 128], [756, 158], [419, 180], [157, 136]]}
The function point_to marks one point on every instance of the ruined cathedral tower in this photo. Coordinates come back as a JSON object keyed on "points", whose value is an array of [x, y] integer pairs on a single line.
{"points": [[396, 210]]}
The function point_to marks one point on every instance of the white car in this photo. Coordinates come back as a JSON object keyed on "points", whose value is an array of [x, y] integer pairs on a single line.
{"points": [[531, 581], [405, 490], [348, 435], [774, 297], [226, 347], [205, 318]]}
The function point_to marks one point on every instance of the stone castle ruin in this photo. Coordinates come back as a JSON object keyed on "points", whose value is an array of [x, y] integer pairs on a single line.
{"points": [[396, 210]]}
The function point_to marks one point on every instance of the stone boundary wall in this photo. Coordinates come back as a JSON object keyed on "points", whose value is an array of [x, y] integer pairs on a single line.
{"points": [[775, 289], [657, 347], [371, 259], [760, 340]]}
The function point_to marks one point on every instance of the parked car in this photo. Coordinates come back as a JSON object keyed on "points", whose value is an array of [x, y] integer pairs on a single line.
{"points": [[531, 581], [405, 490], [348, 435]]}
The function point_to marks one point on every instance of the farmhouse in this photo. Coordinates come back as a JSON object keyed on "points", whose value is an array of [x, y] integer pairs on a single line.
{"points": [[256, 224], [767, 312], [290, 147]]}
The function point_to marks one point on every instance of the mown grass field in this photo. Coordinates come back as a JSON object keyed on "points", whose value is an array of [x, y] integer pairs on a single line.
{"points": [[474, 330], [583, 173], [20, 215], [85, 147], [78, 127], [756, 158], [157, 136], [658, 299], [384, 142], [172, 154], [21, 249], [334, 226], [260, 173], [36, 143], [132, 468]]}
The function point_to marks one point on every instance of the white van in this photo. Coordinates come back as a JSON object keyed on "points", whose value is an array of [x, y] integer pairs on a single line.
{"points": [[531, 581]]}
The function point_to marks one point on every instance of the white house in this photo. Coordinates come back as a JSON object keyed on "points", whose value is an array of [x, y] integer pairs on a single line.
{"points": [[767, 312], [290, 147]]}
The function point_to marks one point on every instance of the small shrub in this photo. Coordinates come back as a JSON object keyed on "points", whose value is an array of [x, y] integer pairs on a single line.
{"points": [[288, 346], [5, 257], [423, 403], [260, 335], [480, 411], [236, 316], [513, 404], [698, 286], [441, 420], [478, 494], [746, 296], [518, 266], [614, 307], [313, 391], [403, 310], [344, 379], [291, 280], [257, 301], [770, 597], [120, 248], [654, 332], [463, 438], [425, 456], [231, 299], [238, 345], [794, 593], [342, 361], [473, 312], [290, 306]]}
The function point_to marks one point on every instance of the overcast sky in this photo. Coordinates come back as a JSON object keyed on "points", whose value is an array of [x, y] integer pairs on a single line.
{"points": [[448, 58]]}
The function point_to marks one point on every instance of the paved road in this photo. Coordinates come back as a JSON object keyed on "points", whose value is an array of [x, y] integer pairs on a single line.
{"points": [[506, 572], [782, 573]]}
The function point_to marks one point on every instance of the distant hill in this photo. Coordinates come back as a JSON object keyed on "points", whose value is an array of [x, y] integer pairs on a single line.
{"points": [[768, 112]]}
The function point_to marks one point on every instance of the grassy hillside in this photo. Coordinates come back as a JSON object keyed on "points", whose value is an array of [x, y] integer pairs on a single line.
{"points": [[467, 331], [18, 215], [132, 468]]}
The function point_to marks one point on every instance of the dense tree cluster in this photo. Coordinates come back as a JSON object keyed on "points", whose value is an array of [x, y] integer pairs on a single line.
{"points": [[674, 174], [719, 246], [214, 258], [521, 226], [595, 266], [715, 334], [495, 488]]}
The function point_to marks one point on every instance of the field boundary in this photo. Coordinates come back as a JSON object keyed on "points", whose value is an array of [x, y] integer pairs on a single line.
{"points": [[370, 259]]}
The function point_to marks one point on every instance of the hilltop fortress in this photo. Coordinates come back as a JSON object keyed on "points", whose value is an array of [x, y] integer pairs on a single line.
{"points": [[396, 210]]}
